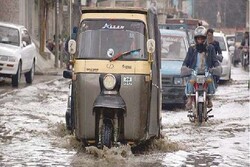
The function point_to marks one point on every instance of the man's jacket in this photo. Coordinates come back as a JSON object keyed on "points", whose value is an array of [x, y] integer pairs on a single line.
{"points": [[191, 57], [217, 48], [245, 42]]}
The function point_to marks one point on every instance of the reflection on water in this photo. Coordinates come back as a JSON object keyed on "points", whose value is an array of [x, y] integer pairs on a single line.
{"points": [[203, 159], [32, 133]]}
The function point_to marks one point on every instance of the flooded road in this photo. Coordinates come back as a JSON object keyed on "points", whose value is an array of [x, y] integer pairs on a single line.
{"points": [[32, 131]]}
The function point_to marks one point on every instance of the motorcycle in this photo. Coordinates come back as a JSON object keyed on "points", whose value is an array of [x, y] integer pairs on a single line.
{"points": [[200, 80], [199, 111]]}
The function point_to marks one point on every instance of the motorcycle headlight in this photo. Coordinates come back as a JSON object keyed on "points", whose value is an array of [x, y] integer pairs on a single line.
{"points": [[178, 81], [109, 81]]}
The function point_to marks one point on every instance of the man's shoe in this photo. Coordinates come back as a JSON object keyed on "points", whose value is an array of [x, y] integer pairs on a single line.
{"points": [[209, 103], [189, 103]]}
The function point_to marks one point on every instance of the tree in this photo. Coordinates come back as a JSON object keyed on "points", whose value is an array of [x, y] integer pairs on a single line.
{"points": [[44, 8]]}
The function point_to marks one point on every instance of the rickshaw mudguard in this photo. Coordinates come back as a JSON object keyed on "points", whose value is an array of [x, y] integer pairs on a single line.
{"points": [[155, 97], [109, 101]]}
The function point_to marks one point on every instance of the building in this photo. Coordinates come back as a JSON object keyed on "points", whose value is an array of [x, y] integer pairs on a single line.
{"points": [[24, 12], [232, 14]]}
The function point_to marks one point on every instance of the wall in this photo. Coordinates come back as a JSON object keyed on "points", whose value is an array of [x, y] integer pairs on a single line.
{"points": [[9, 11]]}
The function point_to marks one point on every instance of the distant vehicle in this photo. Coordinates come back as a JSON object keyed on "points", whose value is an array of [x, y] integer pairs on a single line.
{"points": [[17, 53], [174, 49], [226, 63], [230, 40], [187, 25], [239, 35]]}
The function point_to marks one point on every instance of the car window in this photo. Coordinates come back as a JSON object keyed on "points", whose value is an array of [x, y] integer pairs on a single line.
{"points": [[26, 37], [9, 36], [221, 41], [173, 47], [231, 38]]}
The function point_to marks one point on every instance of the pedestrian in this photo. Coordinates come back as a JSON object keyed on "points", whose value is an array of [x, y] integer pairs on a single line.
{"points": [[216, 44], [50, 45], [200, 56]]}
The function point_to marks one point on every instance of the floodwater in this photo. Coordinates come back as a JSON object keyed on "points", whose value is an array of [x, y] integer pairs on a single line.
{"points": [[32, 131]]}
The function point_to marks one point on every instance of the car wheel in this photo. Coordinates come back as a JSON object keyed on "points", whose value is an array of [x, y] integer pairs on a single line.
{"points": [[29, 76], [16, 78]]}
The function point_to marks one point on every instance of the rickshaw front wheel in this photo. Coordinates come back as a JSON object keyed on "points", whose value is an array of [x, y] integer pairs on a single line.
{"points": [[107, 134]]}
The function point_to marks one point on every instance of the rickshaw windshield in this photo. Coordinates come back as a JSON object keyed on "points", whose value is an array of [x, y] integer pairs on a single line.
{"points": [[104, 39]]}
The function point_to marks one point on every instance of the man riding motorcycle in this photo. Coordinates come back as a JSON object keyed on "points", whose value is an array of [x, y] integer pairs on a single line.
{"points": [[245, 49], [201, 55]]}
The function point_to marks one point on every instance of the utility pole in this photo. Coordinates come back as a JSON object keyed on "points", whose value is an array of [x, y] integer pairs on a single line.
{"points": [[70, 18], [247, 16], [192, 1], [56, 33], [42, 28]]}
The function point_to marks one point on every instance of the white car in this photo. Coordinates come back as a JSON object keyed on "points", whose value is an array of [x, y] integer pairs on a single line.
{"points": [[226, 63], [17, 53]]}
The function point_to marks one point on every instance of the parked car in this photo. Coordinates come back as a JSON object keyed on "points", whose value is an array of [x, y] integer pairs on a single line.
{"points": [[226, 63], [174, 50], [17, 53]]}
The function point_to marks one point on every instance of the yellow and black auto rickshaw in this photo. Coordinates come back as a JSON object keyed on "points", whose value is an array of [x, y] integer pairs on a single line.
{"points": [[116, 88]]}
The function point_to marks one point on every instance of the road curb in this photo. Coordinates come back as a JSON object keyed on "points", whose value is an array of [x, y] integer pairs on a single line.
{"points": [[56, 73]]}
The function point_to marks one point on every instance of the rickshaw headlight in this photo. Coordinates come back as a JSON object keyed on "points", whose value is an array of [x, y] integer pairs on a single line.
{"points": [[109, 81]]}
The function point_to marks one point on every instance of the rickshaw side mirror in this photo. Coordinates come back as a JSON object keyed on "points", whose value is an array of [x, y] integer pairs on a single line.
{"points": [[151, 46], [72, 46], [67, 74]]}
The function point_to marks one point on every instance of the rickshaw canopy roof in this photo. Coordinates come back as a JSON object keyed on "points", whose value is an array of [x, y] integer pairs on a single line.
{"points": [[114, 10]]}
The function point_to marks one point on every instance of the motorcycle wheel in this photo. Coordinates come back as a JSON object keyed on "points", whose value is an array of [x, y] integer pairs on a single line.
{"points": [[200, 113], [107, 134], [246, 63]]}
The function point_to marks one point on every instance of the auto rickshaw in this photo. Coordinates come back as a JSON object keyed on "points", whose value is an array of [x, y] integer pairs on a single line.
{"points": [[116, 89]]}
